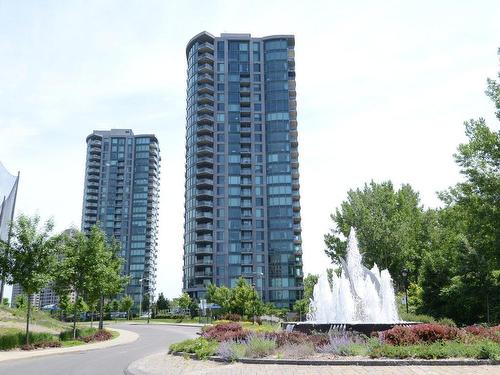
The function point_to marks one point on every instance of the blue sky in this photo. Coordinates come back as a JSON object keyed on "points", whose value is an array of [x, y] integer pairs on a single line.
{"points": [[383, 89]]}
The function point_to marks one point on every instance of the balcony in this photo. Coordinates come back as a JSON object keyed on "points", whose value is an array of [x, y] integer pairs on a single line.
{"points": [[205, 150], [245, 119], [245, 99], [206, 47], [203, 274], [246, 161], [297, 228], [205, 119], [205, 78], [205, 129], [93, 171], [296, 206], [296, 217], [205, 109], [245, 109], [295, 173], [201, 182], [206, 57], [205, 140], [204, 249], [246, 150], [204, 238], [205, 88], [245, 91], [204, 171], [245, 129], [204, 204], [295, 195], [295, 184], [204, 216], [206, 98], [205, 68], [203, 262], [204, 193], [204, 227], [205, 160]]}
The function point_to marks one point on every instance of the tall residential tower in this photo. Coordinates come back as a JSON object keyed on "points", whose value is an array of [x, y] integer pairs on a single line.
{"points": [[242, 200], [121, 195]]}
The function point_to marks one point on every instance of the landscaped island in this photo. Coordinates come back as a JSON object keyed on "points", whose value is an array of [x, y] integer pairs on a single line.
{"points": [[232, 341]]}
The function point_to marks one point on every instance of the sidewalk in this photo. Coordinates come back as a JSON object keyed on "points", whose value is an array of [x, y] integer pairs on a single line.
{"points": [[125, 337], [162, 363]]}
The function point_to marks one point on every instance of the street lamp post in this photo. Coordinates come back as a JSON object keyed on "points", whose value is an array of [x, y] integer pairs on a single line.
{"points": [[405, 281], [140, 298]]}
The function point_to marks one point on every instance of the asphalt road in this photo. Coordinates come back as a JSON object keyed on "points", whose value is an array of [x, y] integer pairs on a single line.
{"points": [[152, 339]]}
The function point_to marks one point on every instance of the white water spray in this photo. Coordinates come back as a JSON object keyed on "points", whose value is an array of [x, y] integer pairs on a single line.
{"points": [[359, 295]]}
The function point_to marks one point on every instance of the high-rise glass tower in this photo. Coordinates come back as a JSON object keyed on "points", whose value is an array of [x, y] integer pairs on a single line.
{"points": [[242, 200], [121, 195]]}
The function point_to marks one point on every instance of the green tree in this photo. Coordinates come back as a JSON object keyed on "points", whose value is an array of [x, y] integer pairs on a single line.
{"points": [[74, 271], [33, 252], [6, 263], [21, 301], [390, 225], [301, 306], [183, 301], [126, 304], [221, 296], [460, 278], [163, 303]]}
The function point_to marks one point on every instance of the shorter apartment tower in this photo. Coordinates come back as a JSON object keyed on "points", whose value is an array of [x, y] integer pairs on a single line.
{"points": [[121, 195]]}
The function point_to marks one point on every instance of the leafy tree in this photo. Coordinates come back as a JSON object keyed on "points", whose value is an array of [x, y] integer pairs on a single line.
{"points": [[21, 301], [5, 301], [6, 263], [183, 301], [145, 303], [301, 306], [390, 224], [127, 303], [33, 252], [162, 303], [74, 271], [221, 296]]}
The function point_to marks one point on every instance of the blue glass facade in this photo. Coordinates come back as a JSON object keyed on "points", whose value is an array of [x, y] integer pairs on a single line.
{"points": [[121, 195], [242, 203]]}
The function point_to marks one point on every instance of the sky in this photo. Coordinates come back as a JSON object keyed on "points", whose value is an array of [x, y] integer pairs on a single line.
{"points": [[383, 89]]}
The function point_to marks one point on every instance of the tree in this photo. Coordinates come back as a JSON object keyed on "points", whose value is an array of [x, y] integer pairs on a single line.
{"points": [[126, 304], [33, 252], [221, 296], [21, 301], [183, 301], [74, 271], [6, 263], [390, 224], [163, 303], [301, 306]]}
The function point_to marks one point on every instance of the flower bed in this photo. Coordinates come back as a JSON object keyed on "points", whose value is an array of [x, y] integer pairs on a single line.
{"points": [[230, 341]]}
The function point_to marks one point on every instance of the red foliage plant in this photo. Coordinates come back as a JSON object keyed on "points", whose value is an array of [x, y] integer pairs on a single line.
{"points": [[42, 345], [225, 332], [101, 335], [420, 333], [490, 333]]}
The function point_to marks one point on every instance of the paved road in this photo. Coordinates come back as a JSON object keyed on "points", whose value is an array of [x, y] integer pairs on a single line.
{"points": [[112, 361]]}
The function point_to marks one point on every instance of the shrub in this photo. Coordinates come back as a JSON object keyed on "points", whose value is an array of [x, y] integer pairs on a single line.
{"points": [[202, 347], [447, 322], [81, 333], [399, 336], [225, 332], [232, 317], [257, 346], [100, 335], [451, 349], [231, 350], [411, 317], [339, 343], [287, 338], [17, 339], [42, 345], [490, 333], [424, 333]]}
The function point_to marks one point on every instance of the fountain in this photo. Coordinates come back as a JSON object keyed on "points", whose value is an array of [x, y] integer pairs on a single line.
{"points": [[358, 299]]}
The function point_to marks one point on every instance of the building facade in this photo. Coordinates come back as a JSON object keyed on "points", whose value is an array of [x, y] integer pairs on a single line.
{"points": [[121, 195], [242, 200]]}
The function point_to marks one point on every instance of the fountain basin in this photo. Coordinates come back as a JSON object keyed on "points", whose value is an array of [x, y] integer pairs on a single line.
{"points": [[361, 327]]}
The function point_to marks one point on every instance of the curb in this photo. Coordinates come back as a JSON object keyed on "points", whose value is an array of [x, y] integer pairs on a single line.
{"points": [[194, 325], [343, 362], [126, 337]]}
